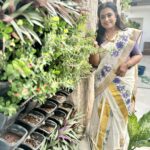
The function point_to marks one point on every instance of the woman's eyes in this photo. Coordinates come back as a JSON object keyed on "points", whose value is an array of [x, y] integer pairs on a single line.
{"points": [[104, 16]]}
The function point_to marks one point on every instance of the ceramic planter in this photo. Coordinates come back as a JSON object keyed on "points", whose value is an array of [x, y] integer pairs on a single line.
{"points": [[34, 140], [14, 135]]}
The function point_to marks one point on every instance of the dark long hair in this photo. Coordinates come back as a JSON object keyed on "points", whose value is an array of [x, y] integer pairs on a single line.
{"points": [[101, 31]]}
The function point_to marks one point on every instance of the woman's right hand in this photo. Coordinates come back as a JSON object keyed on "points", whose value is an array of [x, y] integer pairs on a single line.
{"points": [[96, 44], [94, 59]]}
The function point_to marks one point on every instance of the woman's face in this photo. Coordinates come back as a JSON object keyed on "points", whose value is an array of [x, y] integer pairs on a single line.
{"points": [[108, 18]]}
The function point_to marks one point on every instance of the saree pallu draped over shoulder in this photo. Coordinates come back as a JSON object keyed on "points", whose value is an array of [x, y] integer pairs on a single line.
{"points": [[113, 94]]}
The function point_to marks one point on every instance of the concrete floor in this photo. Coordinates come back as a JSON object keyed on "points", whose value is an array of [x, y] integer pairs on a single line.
{"points": [[143, 92], [142, 100]]}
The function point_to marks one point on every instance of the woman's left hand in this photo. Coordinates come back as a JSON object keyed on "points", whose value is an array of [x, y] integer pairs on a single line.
{"points": [[121, 71]]}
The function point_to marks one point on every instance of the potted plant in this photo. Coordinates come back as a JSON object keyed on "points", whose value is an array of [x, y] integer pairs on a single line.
{"points": [[34, 140], [47, 128], [68, 136], [47, 109], [14, 135], [32, 120], [139, 131], [58, 116]]}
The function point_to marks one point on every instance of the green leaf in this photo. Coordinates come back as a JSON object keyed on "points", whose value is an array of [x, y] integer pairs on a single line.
{"points": [[17, 29]]}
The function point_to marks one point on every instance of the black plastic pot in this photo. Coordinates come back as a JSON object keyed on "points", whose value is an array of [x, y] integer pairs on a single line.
{"points": [[47, 109], [60, 98], [23, 147], [31, 120], [59, 116], [47, 128], [61, 92], [31, 105], [52, 100], [35, 140], [68, 107], [14, 136], [4, 145], [4, 87], [66, 91], [6, 121]]}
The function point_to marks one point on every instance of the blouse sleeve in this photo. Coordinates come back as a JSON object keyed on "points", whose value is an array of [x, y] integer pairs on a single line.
{"points": [[135, 50]]}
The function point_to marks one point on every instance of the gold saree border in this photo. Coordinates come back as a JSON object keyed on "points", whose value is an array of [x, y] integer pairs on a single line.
{"points": [[103, 125], [117, 96]]}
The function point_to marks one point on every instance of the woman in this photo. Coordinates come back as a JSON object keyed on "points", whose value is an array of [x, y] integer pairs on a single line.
{"points": [[115, 78]]}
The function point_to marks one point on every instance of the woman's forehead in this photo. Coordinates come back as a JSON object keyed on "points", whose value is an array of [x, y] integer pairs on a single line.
{"points": [[106, 11]]}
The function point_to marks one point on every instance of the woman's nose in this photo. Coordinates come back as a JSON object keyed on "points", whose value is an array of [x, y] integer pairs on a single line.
{"points": [[106, 18]]}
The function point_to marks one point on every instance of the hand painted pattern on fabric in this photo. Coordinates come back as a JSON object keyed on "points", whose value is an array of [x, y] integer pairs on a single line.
{"points": [[125, 94], [104, 71], [121, 43]]}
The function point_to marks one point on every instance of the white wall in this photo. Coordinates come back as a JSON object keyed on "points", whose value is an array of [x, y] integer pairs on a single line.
{"points": [[142, 14]]}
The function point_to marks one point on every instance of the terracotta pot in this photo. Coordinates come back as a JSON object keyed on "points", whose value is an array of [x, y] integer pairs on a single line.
{"points": [[94, 60]]}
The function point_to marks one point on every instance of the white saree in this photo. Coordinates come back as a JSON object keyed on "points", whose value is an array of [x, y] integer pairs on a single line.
{"points": [[114, 94]]}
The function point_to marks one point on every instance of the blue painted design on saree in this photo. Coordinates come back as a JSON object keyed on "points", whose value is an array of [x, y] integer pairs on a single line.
{"points": [[124, 93], [119, 45], [104, 71]]}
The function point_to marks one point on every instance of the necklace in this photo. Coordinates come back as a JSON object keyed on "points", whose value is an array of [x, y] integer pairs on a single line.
{"points": [[112, 37]]}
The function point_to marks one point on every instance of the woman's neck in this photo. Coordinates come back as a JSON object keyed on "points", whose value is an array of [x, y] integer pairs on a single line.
{"points": [[112, 30], [111, 34]]}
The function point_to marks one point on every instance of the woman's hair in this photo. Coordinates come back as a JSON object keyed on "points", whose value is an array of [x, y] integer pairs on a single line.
{"points": [[101, 31]]}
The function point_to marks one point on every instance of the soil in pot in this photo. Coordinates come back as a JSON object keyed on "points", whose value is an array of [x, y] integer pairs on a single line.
{"points": [[48, 127], [14, 135], [67, 106], [59, 98], [31, 119], [34, 140], [48, 107], [34, 118], [11, 137]]}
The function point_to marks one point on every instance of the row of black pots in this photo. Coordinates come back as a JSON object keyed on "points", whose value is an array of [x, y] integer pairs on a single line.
{"points": [[26, 106], [48, 116], [36, 121]]}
